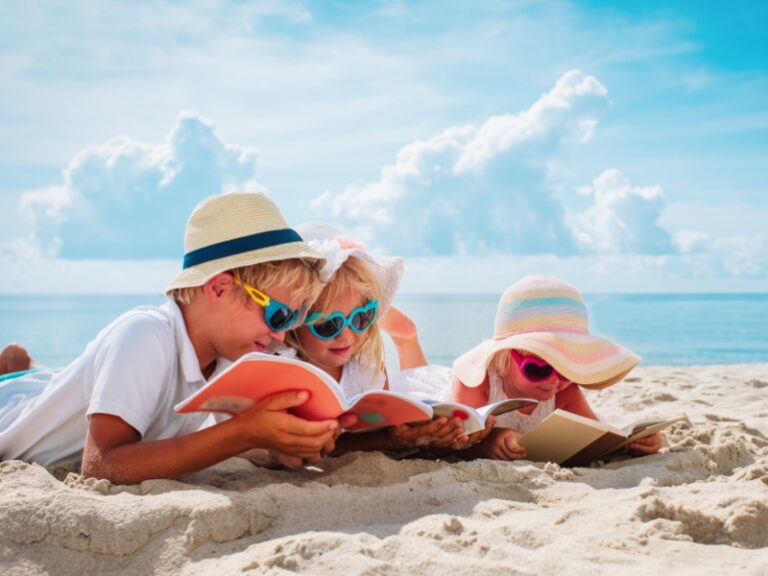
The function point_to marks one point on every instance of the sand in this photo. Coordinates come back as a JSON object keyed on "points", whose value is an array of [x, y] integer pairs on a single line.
{"points": [[698, 507]]}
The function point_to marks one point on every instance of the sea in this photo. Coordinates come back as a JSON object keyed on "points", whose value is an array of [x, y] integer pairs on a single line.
{"points": [[665, 329]]}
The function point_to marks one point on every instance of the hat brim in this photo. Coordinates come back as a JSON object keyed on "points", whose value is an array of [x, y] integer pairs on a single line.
{"points": [[388, 270], [587, 360], [199, 274], [336, 248]]}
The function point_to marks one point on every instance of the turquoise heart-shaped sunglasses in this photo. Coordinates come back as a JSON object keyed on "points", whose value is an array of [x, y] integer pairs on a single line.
{"points": [[328, 327]]}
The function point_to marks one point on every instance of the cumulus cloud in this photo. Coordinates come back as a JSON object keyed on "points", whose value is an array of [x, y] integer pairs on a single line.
{"points": [[130, 200], [623, 219], [477, 188]]}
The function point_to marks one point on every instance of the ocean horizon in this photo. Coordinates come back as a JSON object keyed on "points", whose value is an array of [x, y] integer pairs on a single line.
{"points": [[665, 329]]}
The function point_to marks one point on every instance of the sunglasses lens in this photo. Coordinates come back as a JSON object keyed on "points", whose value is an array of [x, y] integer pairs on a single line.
{"points": [[281, 318], [535, 371], [328, 328], [363, 319]]}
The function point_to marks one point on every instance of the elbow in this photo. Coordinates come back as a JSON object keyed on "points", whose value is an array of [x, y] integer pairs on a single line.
{"points": [[101, 470]]}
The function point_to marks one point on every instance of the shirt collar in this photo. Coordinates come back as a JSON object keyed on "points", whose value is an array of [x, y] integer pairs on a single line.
{"points": [[187, 355]]}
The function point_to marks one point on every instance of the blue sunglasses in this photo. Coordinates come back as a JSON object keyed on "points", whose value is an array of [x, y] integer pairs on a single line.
{"points": [[330, 326], [278, 316]]}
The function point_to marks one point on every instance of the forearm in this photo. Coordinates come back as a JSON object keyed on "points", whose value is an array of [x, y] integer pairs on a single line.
{"points": [[135, 462], [409, 353]]}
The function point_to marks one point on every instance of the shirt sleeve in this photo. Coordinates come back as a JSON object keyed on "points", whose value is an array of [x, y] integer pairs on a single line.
{"points": [[134, 366]]}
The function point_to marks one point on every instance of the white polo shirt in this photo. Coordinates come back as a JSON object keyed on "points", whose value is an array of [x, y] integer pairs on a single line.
{"points": [[137, 368]]}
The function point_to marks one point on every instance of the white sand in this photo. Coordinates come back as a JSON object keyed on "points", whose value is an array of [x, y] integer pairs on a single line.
{"points": [[699, 507]]}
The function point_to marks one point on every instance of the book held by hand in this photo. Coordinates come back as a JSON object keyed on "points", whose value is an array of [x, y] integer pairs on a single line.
{"points": [[572, 440], [474, 419], [255, 376]]}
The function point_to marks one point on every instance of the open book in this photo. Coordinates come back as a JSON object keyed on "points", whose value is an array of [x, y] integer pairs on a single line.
{"points": [[255, 376], [474, 419], [573, 440]]}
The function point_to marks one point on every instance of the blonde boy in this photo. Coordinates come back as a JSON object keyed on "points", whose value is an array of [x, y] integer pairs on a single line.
{"points": [[246, 278]]}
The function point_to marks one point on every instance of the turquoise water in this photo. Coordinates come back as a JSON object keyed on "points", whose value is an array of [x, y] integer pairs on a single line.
{"points": [[671, 329], [665, 329]]}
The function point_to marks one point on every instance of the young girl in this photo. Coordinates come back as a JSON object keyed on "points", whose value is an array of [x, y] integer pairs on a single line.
{"points": [[342, 335], [541, 349]]}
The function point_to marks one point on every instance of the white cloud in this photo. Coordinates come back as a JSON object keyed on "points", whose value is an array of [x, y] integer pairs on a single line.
{"points": [[129, 199], [478, 189], [624, 218], [689, 241]]}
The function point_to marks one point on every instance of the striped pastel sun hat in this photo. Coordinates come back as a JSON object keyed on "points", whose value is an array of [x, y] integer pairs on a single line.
{"points": [[547, 317]]}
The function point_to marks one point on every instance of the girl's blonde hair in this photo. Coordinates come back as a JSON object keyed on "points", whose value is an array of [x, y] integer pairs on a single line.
{"points": [[353, 275], [500, 361], [293, 273], [499, 364]]}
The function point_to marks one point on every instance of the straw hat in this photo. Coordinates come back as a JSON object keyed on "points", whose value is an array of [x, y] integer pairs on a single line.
{"points": [[336, 248], [228, 231], [547, 317]]}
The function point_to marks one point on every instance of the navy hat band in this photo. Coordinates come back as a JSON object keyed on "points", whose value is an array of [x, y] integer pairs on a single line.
{"points": [[240, 245]]}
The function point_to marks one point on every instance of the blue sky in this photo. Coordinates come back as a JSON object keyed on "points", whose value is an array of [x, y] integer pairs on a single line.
{"points": [[622, 146]]}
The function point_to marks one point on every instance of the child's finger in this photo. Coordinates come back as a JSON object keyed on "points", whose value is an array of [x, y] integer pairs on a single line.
{"points": [[293, 462], [347, 420]]}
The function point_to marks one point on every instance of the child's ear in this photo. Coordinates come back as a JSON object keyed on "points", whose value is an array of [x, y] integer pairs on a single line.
{"points": [[218, 286]]}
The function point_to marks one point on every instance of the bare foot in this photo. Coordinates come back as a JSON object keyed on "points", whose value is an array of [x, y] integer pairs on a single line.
{"points": [[397, 325], [402, 330], [15, 358]]}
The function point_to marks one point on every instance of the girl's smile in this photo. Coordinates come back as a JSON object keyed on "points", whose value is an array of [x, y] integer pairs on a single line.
{"points": [[331, 355]]}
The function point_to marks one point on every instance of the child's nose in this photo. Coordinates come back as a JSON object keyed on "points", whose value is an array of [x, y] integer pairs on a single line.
{"points": [[345, 334], [278, 336]]}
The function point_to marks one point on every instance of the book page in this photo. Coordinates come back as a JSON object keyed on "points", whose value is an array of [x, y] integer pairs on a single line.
{"points": [[471, 420], [377, 408], [562, 434], [504, 406], [648, 427]]}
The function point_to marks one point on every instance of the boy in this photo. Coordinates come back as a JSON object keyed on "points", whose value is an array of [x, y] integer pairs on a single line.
{"points": [[246, 279]]}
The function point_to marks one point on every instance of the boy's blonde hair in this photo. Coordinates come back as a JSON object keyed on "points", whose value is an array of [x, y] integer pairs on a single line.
{"points": [[293, 273], [353, 275]]}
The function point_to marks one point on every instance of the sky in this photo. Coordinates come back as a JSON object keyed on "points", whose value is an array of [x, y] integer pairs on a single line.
{"points": [[622, 146]]}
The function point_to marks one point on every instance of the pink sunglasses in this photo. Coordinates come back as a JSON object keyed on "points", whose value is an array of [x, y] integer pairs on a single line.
{"points": [[533, 368]]}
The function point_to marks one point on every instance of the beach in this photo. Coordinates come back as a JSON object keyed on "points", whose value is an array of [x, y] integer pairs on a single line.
{"points": [[698, 507]]}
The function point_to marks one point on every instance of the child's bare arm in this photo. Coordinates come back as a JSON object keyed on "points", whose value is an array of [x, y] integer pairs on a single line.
{"points": [[113, 449], [571, 399], [471, 396]]}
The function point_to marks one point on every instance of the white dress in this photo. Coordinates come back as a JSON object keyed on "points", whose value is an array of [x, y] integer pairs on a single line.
{"points": [[517, 420], [432, 382], [357, 378], [435, 382]]}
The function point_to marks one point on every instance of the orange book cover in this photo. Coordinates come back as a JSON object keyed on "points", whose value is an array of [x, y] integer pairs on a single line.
{"points": [[255, 376]]}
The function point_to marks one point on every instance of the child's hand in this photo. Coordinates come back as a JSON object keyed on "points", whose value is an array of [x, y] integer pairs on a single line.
{"points": [[463, 442], [269, 425], [648, 445], [267, 459], [504, 444], [438, 432]]}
